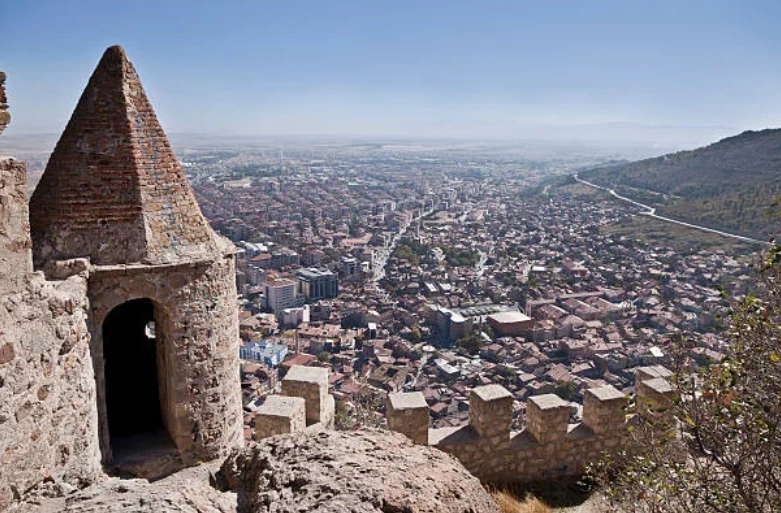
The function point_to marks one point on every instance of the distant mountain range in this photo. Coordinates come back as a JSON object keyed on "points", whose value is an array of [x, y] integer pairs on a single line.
{"points": [[730, 185]]}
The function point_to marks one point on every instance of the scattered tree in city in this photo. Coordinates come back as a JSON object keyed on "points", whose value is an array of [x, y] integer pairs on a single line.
{"points": [[722, 450]]}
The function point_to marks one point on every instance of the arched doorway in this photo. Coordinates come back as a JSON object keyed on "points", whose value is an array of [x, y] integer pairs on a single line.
{"points": [[134, 378]]}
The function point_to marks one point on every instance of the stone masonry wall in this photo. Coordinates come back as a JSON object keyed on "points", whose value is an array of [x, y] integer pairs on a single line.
{"points": [[5, 118], [15, 254], [48, 422], [305, 404], [546, 449], [199, 328]]}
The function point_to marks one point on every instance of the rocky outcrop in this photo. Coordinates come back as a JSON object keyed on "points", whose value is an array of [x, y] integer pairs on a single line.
{"points": [[359, 471], [331, 471], [188, 491]]}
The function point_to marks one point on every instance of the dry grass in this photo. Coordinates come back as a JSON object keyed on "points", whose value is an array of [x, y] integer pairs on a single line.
{"points": [[508, 503]]}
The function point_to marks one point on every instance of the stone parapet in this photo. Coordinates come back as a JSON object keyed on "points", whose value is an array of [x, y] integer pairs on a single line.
{"points": [[548, 447], [311, 383], [280, 415], [48, 423], [15, 247], [408, 414]]}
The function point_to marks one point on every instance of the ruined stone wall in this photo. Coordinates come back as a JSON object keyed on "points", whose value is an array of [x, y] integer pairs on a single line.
{"points": [[547, 448], [15, 254], [5, 118], [48, 421], [199, 329]]}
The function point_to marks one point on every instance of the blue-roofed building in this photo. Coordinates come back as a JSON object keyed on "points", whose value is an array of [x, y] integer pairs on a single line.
{"points": [[264, 352]]}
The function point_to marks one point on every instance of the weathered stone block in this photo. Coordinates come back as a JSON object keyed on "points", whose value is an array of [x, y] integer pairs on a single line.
{"points": [[491, 411], [328, 413], [547, 417], [408, 413], [5, 118], [654, 396], [15, 253], [311, 383], [603, 409], [652, 372], [280, 415]]}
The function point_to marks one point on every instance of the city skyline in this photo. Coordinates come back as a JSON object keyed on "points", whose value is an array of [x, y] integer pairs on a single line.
{"points": [[601, 70]]}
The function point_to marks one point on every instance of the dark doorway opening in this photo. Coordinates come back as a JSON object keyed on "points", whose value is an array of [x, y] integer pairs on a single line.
{"points": [[132, 387], [134, 335]]}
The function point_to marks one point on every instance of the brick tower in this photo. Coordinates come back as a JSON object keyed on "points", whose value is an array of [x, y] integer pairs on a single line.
{"points": [[163, 316]]}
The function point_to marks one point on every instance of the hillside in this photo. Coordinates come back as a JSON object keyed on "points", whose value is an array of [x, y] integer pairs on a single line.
{"points": [[730, 184]]}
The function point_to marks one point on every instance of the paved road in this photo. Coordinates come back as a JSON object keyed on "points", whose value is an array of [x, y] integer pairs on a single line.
{"points": [[651, 212], [382, 255]]}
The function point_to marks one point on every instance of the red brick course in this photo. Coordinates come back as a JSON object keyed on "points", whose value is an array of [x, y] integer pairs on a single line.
{"points": [[113, 190]]}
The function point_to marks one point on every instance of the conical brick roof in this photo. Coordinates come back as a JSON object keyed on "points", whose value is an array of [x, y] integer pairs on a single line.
{"points": [[113, 190]]}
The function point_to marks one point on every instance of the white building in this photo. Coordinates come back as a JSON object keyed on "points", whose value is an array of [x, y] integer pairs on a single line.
{"points": [[295, 316], [280, 294]]}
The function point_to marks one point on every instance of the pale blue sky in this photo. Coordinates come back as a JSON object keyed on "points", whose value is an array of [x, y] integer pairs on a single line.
{"points": [[426, 67]]}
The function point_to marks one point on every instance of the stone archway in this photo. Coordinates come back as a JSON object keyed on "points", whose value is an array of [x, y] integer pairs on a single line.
{"points": [[135, 371]]}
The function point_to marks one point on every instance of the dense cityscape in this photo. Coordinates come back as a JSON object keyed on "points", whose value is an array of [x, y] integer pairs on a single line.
{"points": [[418, 257], [407, 268]]}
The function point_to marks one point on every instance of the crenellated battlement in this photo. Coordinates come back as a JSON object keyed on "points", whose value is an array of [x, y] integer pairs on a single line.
{"points": [[549, 446], [304, 404]]}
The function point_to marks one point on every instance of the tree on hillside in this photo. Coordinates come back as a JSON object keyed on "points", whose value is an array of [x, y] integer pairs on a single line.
{"points": [[723, 450]]}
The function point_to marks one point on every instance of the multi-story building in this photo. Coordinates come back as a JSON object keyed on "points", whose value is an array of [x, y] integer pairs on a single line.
{"points": [[283, 258], [280, 294], [316, 284], [348, 265]]}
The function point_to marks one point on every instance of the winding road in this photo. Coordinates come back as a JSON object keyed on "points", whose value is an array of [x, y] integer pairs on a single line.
{"points": [[651, 212]]}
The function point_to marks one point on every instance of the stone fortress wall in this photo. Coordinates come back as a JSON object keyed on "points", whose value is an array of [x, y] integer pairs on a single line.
{"points": [[547, 448], [48, 421]]}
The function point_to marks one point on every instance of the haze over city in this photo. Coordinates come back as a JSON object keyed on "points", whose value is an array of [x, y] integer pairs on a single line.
{"points": [[290, 255], [665, 72]]}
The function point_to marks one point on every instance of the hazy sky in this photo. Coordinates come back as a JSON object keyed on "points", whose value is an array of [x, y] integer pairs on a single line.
{"points": [[483, 68]]}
